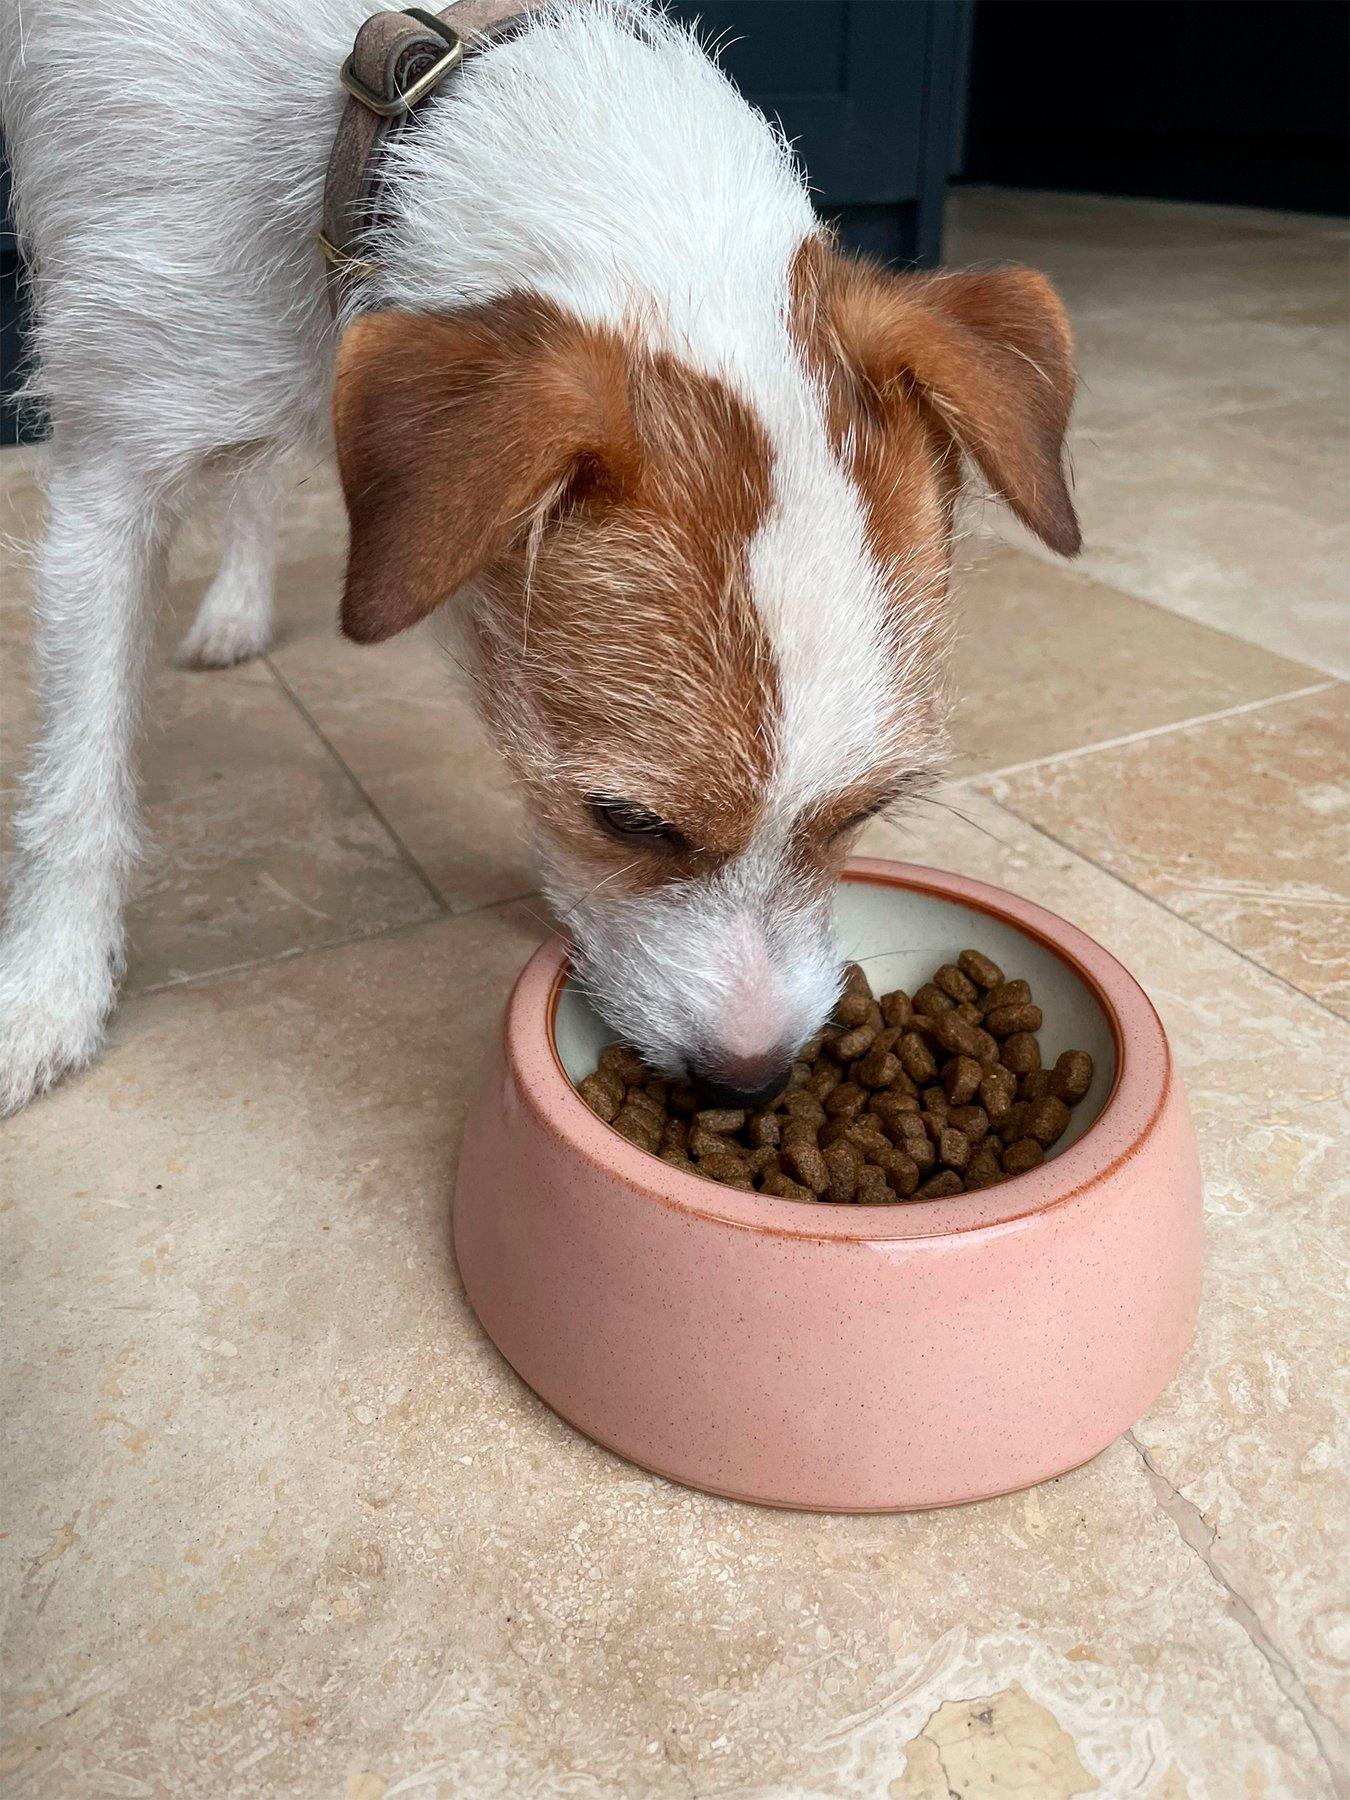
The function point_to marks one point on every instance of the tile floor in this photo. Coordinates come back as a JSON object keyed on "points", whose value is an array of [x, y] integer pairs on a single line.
{"points": [[280, 1521]]}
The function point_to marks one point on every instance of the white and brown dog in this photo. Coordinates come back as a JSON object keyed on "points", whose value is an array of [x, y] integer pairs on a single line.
{"points": [[687, 472]]}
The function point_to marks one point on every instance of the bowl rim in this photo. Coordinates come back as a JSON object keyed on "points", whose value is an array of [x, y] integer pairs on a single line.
{"points": [[1128, 1116]]}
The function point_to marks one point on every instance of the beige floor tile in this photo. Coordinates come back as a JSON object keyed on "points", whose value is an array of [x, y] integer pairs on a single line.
{"points": [[1239, 825], [1238, 521], [1049, 660], [260, 844], [1249, 1430], [396, 715], [980, 219], [282, 1521]]}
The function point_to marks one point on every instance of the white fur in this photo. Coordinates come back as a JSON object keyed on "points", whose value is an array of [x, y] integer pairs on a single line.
{"points": [[169, 167]]}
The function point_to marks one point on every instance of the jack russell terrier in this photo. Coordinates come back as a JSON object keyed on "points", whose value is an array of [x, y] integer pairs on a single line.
{"points": [[595, 372]]}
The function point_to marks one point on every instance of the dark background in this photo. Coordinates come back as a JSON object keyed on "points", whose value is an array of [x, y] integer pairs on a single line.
{"points": [[888, 101]]}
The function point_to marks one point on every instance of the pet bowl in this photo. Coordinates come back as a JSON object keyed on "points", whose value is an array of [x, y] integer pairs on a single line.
{"points": [[844, 1358]]}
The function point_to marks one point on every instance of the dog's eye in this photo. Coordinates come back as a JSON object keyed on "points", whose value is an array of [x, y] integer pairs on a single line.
{"points": [[634, 824]]}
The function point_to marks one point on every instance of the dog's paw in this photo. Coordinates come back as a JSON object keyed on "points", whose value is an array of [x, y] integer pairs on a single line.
{"points": [[49, 1025], [218, 640], [37, 1049]]}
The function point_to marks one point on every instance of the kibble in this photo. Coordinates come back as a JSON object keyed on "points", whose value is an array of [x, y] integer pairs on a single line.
{"points": [[899, 1098]]}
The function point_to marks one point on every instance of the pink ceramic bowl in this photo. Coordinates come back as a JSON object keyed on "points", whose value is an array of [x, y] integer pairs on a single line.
{"points": [[845, 1358]]}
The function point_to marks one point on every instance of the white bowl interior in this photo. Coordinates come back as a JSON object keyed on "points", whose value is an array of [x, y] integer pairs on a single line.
{"points": [[900, 936]]}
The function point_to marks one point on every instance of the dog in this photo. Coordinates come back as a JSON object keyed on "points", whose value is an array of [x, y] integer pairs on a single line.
{"points": [[682, 474]]}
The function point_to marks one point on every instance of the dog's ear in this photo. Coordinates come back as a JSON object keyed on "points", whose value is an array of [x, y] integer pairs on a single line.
{"points": [[454, 435], [991, 352]]}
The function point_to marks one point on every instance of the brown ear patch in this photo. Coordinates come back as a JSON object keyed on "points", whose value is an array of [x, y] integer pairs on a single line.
{"points": [[454, 432], [987, 351]]}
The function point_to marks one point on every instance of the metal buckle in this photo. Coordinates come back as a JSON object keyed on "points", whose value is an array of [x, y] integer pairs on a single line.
{"points": [[425, 83]]}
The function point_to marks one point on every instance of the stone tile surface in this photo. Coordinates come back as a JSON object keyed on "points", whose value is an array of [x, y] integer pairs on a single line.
{"points": [[1241, 824], [285, 1523], [1251, 1430], [1049, 660], [397, 715], [1211, 442]]}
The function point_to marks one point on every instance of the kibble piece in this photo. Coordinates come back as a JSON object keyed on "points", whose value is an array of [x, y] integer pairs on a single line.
{"points": [[850, 1010], [846, 1101], [725, 1119], [971, 1013], [728, 1168], [854, 1043], [811, 1049], [766, 1128], [626, 1064], [954, 982], [916, 1059], [1022, 1155], [873, 1187], [642, 1101], [888, 1107], [868, 1138], [798, 1076], [1033, 1084], [823, 1082], [934, 1100], [978, 967], [1012, 1125], [657, 1090], [973, 1120], [1072, 1076], [953, 1148], [984, 1168], [1046, 1120], [957, 1036], [678, 1159], [1007, 993], [930, 999], [782, 1187], [703, 1142], [675, 1135], [1003, 1021], [842, 1162], [961, 1079], [685, 1099], [639, 1125], [939, 1186], [896, 1007], [878, 1069], [764, 1161], [603, 1095], [986, 1049], [900, 1170], [920, 1150], [806, 1163], [887, 1038], [798, 1131], [998, 1090], [1021, 1053], [804, 1105]]}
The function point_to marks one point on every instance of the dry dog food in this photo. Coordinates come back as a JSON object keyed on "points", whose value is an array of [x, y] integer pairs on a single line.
{"points": [[898, 1098]]}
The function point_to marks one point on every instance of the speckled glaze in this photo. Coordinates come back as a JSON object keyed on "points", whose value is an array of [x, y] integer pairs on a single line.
{"points": [[837, 1358]]}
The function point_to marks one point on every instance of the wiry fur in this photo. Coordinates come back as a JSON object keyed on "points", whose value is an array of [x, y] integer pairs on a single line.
{"points": [[169, 167]]}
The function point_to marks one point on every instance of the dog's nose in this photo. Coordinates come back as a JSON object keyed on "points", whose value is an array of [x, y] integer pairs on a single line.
{"points": [[733, 1093]]}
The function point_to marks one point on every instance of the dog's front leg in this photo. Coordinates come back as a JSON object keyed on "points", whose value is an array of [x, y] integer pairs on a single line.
{"points": [[100, 566], [236, 618]]}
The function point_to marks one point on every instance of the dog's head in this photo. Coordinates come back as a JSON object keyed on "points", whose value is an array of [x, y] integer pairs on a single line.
{"points": [[704, 611]]}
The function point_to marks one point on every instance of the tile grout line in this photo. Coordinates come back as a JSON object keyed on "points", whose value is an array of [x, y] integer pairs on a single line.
{"points": [[299, 951], [1171, 911], [1200, 1538], [405, 853], [1150, 732]]}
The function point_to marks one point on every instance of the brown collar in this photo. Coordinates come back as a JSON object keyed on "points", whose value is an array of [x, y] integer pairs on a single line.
{"points": [[399, 60]]}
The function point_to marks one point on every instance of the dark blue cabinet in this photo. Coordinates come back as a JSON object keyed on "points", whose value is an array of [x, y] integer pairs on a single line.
{"points": [[866, 90]]}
